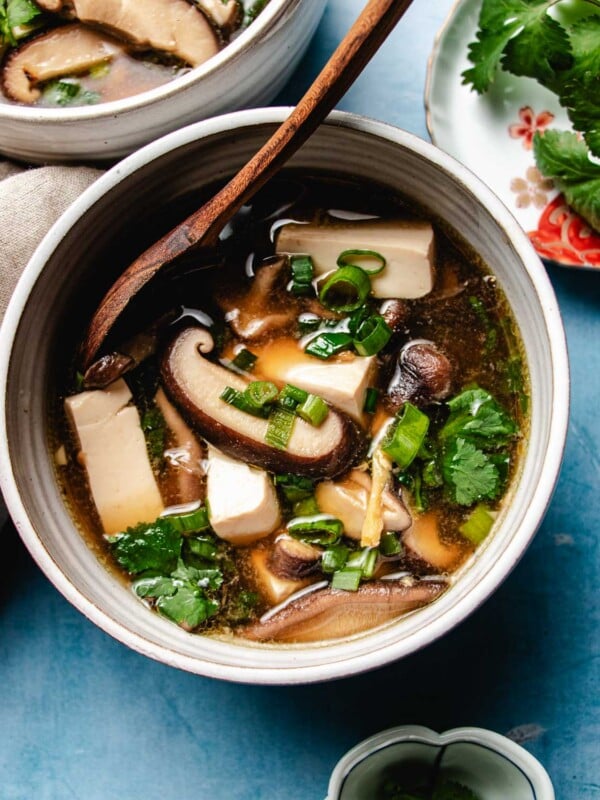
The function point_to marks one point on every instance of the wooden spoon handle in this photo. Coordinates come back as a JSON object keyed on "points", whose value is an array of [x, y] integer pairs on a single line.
{"points": [[202, 227]]}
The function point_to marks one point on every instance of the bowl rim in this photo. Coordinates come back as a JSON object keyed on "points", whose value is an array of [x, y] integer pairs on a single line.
{"points": [[269, 18], [527, 763], [466, 603]]}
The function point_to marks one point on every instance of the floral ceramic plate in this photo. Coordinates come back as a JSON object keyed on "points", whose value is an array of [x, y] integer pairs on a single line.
{"points": [[492, 135]]}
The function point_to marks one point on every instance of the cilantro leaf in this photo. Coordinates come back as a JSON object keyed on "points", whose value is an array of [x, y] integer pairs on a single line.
{"points": [[474, 413], [21, 12], [205, 578], [520, 35], [541, 50], [561, 156], [469, 473], [154, 586], [188, 606], [182, 596], [153, 546], [580, 89], [6, 35]]}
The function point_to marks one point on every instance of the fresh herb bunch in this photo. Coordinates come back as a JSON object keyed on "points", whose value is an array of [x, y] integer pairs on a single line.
{"points": [[180, 568], [468, 456], [523, 38], [18, 18]]}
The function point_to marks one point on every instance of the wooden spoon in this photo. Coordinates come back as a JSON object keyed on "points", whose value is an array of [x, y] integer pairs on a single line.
{"points": [[202, 228]]}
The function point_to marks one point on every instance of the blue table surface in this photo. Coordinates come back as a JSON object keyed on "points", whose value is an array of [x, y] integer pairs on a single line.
{"points": [[82, 716]]}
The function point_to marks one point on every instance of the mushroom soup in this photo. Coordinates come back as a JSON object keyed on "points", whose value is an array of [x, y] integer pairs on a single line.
{"points": [[82, 52], [311, 438]]}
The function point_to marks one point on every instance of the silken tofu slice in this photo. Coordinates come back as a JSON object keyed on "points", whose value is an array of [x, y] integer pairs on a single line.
{"points": [[407, 246], [343, 382], [113, 452], [242, 499]]}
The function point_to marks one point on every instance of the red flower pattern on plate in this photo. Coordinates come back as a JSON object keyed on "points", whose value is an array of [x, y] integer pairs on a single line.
{"points": [[563, 236], [529, 124]]}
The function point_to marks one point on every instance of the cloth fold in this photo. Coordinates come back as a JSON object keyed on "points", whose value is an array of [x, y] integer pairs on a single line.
{"points": [[31, 200]]}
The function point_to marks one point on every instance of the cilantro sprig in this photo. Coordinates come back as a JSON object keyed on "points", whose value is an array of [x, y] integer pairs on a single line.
{"points": [[475, 434], [18, 19], [179, 574], [523, 37], [182, 596], [560, 155], [469, 455]]}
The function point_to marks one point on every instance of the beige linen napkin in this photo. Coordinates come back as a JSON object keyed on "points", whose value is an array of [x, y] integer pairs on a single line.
{"points": [[31, 200]]}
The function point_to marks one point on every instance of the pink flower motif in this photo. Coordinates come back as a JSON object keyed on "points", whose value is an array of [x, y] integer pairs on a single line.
{"points": [[530, 123]]}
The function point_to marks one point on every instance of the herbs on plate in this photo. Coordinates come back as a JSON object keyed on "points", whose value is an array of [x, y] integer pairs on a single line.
{"points": [[558, 45]]}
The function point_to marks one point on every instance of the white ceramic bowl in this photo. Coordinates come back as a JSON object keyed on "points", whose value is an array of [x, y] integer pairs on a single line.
{"points": [[494, 767], [71, 268], [248, 72]]}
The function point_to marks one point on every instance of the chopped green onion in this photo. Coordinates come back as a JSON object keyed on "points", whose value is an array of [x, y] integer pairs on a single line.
{"points": [[245, 360], [242, 402], [326, 345], [306, 508], [279, 429], [349, 257], [196, 520], [365, 560], [334, 558], [307, 323], [262, 392], [356, 319], [294, 487], [346, 289], [407, 436], [296, 394], [419, 495], [313, 410], [390, 544], [347, 579], [302, 275], [370, 403], [317, 529], [478, 524], [288, 403], [372, 336]]}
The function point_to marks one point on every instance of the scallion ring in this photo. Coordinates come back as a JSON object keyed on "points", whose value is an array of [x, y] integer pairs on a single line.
{"points": [[345, 259], [372, 336], [262, 392], [346, 290]]}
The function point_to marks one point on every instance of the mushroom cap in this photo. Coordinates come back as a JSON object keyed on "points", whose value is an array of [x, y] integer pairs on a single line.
{"points": [[69, 50], [334, 613], [195, 384]]}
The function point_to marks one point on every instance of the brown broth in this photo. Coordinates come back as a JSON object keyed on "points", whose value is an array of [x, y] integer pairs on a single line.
{"points": [[466, 315]]}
